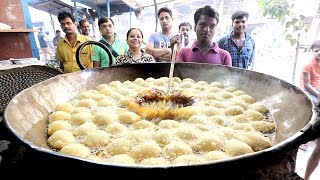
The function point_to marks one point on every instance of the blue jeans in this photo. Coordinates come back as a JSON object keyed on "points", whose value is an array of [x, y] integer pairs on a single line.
{"points": [[313, 97]]}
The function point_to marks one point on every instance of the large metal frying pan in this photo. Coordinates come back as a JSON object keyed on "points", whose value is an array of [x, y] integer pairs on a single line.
{"points": [[26, 114]]}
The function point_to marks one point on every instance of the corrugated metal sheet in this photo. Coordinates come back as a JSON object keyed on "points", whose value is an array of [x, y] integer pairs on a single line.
{"points": [[56, 6]]}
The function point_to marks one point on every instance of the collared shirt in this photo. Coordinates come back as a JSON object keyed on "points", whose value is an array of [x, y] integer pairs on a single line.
{"points": [[67, 54], [313, 68], [241, 57], [99, 54], [214, 56], [128, 58]]}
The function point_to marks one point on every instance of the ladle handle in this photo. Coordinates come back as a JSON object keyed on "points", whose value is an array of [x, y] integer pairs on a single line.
{"points": [[79, 49], [173, 60]]}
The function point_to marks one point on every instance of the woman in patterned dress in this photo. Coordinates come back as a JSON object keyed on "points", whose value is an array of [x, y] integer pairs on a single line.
{"points": [[135, 53]]}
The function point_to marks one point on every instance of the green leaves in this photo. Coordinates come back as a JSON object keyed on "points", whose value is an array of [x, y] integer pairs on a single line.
{"points": [[283, 11]]}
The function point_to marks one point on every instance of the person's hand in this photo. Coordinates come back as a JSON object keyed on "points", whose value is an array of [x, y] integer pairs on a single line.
{"points": [[175, 40]]}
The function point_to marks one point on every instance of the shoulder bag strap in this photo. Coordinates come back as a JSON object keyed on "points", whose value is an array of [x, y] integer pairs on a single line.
{"points": [[114, 53]]}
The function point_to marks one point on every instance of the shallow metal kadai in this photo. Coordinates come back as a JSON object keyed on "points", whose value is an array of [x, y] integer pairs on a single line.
{"points": [[27, 113]]}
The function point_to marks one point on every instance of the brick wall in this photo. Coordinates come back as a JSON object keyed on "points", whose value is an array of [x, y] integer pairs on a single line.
{"points": [[13, 45]]}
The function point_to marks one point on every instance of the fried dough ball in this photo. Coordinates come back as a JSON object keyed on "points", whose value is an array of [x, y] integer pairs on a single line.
{"points": [[115, 84], [96, 138], [219, 119], [118, 146], [226, 95], [66, 107], [145, 150], [211, 111], [129, 117], [139, 136], [80, 109], [58, 125], [162, 136], [208, 143], [84, 129], [155, 161], [188, 80], [259, 107], [107, 91], [86, 94], [103, 118], [176, 149], [80, 118], [202, 127], [105, 103], [187, 112], [238, 92], [263, 126], [75, 149], [213, 89], [177, 79], [122, 159], [143, 124], [198, 119], [248, 99], [243, 126], [160, 82], [186, 85], [88, 103], [186, 133], [59, 115], [217, 84], [238, 102], [215, 155], [61, 138], [138, 80], [241, 118], [256, 140], [233, 110], [253, 115], [102, 86], [116, 128], [187, 159], [168, 124], [235, 147], [228, 133], [150, 80]]}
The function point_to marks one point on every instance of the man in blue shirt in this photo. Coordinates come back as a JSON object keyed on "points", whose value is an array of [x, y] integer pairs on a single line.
{"points": [[239, 43]]}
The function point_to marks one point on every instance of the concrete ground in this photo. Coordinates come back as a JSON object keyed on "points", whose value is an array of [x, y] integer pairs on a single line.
{"points": [[302, 158]]}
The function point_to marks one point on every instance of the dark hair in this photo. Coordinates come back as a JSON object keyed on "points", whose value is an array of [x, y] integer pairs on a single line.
{"points": [[208, 11], [57, 31], [315, 44], [104, 20], [165, 9], [239, 15], [63, 15], [83, 21], [185, 24], [133, 29]]}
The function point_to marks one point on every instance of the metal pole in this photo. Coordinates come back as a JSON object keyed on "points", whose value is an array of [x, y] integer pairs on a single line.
{"points": [[75, 11], [33, 44], [108, 8], [52, 22], [156, 13], [130, 10], [297, 52]]}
